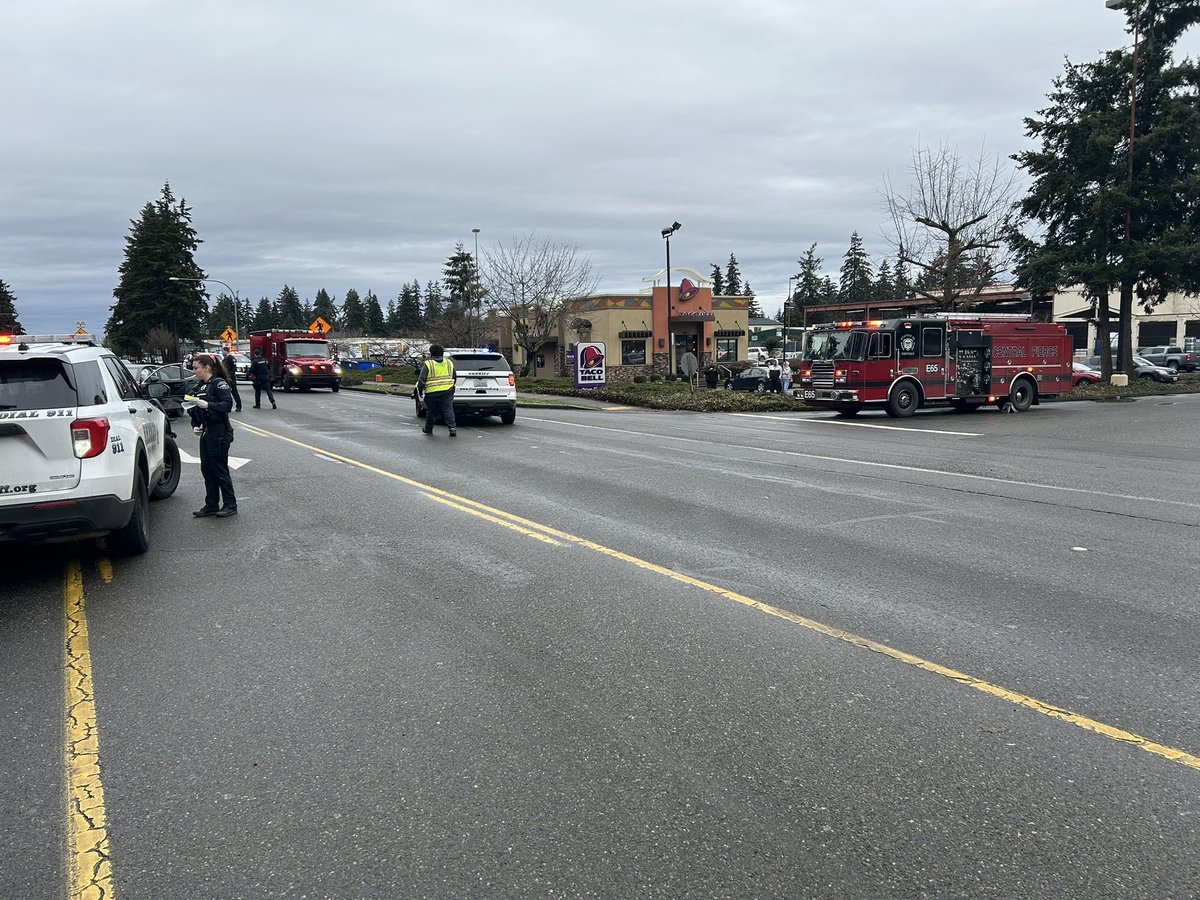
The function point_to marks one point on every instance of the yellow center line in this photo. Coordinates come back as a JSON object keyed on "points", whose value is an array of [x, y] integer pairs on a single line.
{"points": [[526, 531], [89, 859], [1117, 734]]}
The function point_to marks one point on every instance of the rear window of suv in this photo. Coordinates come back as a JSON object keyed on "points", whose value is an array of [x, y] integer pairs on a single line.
{"points": [[35, 384], [480, 362]]}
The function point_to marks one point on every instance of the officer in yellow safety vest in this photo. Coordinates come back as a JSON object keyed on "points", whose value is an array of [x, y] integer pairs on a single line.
{"points": [[435, 383]]}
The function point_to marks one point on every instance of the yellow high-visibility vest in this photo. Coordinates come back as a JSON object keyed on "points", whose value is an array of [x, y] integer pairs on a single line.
{"points": [[439, 376]]}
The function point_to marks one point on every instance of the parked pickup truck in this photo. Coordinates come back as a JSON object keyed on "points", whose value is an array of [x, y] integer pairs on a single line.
{"points": [[1171, 357]]}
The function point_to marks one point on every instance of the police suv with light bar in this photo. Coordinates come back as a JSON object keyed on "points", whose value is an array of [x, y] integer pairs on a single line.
{"points": [[83, 450]]}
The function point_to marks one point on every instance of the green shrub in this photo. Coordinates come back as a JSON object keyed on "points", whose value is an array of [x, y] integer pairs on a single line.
{"points": [[639, 379]]}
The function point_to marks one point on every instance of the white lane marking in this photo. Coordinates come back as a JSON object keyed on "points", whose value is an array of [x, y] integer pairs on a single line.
{"points": [[857, 424], [235, 462], [879, 465], [328, 458]]}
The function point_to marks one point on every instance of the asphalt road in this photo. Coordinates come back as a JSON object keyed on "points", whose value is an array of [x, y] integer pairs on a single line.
{"points": [[639, 654]]}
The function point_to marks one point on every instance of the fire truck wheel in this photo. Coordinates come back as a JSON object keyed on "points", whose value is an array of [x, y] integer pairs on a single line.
{"points": [[904, 400], [1021, 395]]}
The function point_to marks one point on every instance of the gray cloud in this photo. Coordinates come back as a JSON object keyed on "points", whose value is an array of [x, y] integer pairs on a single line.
{"points": [[351, 145]]}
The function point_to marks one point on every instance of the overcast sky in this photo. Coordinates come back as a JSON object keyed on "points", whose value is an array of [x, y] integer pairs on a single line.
{"points": [[351, 144]]}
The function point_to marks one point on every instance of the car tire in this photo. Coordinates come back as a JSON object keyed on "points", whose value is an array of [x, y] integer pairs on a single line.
{"points": [[336, 387], [419, 412], [1174, 367], [169, 480], [1021, 394], [760, 388], [903, 400], [1082, 382], [134, 538], [508, 416]]}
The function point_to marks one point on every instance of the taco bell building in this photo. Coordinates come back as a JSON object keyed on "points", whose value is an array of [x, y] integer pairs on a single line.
{"points": [[648, 332]]}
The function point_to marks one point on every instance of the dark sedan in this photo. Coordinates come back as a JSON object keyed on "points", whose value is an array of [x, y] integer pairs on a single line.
{"points": [[175, 378], [1143, 368], [755, 380]]}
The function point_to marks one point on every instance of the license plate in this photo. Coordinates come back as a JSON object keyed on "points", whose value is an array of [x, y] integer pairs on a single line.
{"points": [[481, 382]]}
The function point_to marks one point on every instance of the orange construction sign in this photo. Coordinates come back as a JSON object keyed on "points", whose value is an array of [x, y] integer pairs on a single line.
{"points": [[229, 335], [320, 325]]}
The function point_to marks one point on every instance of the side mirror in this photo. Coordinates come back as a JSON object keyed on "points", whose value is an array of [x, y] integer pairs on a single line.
{"points": [[157, 389]]}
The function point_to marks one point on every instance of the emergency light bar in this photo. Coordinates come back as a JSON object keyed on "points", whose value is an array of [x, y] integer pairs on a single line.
{"points": [[48, 338]]}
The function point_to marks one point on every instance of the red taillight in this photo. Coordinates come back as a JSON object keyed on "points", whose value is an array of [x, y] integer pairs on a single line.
{"points": [[5, 338], [90, 437], [512, 380]]}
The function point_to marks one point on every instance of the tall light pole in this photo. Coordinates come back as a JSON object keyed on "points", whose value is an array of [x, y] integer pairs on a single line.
{"points": [[787, 308], [233, 293], [666, 233], [475, 297], [1123, 323]]}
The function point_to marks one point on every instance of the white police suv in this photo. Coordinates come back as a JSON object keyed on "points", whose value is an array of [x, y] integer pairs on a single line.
{"points": [[484, 385], [83, 450]]}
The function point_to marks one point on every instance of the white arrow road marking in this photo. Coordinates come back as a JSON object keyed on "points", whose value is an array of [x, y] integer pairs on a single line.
{"points": [[235, 462]]}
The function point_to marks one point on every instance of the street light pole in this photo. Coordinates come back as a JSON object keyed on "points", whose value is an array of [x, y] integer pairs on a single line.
{"points": [[787, 306], [666, 233], [1123, 323], [475, 298], [236, 301]]}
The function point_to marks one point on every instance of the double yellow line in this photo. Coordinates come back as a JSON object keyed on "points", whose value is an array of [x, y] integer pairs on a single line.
{"points": [[549, 535], [89, 863]]}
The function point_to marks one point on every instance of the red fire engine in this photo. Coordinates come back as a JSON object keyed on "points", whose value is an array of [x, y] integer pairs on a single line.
{"points": [[298, 359], [966, 360]]}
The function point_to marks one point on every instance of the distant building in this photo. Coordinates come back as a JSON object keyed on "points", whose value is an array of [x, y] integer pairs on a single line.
{"points": [[646, 333]]}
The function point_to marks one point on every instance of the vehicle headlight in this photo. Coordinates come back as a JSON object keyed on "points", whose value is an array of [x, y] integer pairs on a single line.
{"points": [[337, 370], [295, 370]]}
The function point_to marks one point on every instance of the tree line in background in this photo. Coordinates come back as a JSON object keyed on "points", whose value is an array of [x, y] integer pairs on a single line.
{"points": [[1113, 205]]}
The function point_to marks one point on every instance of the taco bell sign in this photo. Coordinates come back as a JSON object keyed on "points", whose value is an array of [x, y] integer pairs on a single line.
{"points": [[590, 370]]}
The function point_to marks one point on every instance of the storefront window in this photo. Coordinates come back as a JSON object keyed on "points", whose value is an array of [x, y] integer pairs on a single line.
{"points": [[727, 349], [633, 353]]}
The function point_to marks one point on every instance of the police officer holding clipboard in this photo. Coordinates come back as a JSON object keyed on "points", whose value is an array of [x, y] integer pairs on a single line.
{"points": [[210, 420]]}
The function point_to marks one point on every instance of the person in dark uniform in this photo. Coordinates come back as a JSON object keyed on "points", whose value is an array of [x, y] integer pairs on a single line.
{"points": [[260, 374], [231, 377], [710, 377], [210, 420]]}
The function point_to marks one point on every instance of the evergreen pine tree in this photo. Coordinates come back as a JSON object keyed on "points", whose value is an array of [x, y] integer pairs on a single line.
{"points": [[391, 319], [433, 304], [264, 316], [324, 307], [733, 278], [901, 285], [855, 285], [809, 289], [306, 313], [408, 315], [883, 288], [222, 315], [829, 290], [8, 311], [288, 312], [459, 275], [246, 316], [375, 323], [354, 315], [159, 246], [718, 281]]}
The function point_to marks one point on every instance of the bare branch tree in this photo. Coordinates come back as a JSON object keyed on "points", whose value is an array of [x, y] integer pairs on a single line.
{"points": [[953, 223], [532, 283]]}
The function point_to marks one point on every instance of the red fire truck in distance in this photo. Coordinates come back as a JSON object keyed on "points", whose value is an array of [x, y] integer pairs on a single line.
{"points": [[298, 359], [965, 360]]}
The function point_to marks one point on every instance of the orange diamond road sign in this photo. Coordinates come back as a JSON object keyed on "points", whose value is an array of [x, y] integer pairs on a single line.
{"points": [[229, 335], [320, 325], [81, 331]]}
